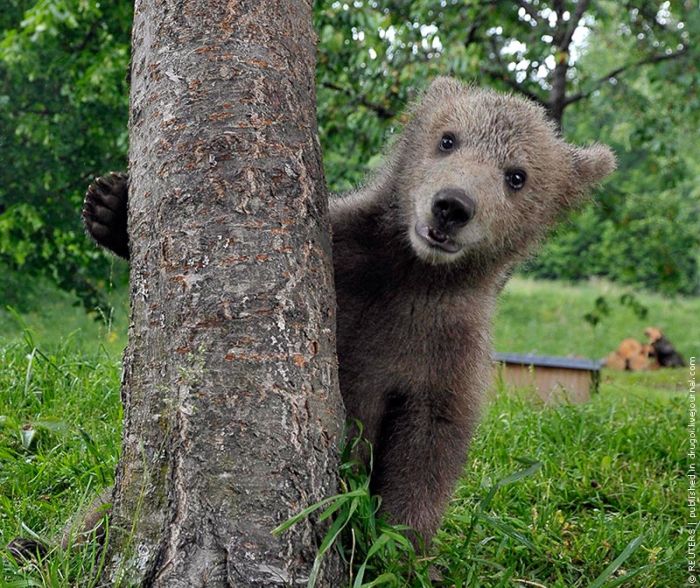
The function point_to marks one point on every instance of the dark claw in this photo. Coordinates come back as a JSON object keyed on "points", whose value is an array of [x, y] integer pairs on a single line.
{"points": [[105, 212]]}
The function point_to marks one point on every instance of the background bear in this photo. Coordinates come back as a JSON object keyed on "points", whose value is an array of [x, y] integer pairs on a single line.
{"points": [[420, 253]]}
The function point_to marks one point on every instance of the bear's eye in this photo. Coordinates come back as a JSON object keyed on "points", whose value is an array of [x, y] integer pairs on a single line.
{"points": [[448, 142], [515, 178]]}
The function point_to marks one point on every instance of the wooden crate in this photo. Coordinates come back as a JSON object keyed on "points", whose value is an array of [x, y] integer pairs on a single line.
{"points": [[554, 379]]}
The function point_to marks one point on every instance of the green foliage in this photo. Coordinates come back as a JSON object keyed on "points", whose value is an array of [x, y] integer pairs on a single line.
{"points": [[601, 497], [63, 113], [376, 552]]}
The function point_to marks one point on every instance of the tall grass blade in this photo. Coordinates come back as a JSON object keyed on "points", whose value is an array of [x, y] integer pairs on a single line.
{"points": [[617, 562]]}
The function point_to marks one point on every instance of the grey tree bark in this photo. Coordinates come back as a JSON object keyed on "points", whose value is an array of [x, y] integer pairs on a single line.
{"points": [[232, 412]]}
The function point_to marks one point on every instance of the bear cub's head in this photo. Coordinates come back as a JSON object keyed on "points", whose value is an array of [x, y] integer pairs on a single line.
{"points": [[484, 175]]}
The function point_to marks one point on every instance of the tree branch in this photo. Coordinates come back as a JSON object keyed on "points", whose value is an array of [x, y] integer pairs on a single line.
{"points": [[380, 110], [513, 84], [477, 22], [503, 76], [471, 36], [559, 9], [623, 68], [471, 33], [37, 111], [581, 7], [529, 9]]}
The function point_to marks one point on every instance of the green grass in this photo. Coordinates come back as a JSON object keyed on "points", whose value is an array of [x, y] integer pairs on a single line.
{"points": [[60, 419], [612, 470], [57, 321], [547, 318], [608, 472]]}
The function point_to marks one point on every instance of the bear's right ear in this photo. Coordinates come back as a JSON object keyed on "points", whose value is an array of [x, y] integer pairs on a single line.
{"points": [[593, 164]]}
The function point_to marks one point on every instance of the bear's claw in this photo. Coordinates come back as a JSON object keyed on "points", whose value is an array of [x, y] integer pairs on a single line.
{"points": [[105, 212]]}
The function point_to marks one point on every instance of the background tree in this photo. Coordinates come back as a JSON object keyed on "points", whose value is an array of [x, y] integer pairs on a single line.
{"points": [[231, 407], [63, 110]]}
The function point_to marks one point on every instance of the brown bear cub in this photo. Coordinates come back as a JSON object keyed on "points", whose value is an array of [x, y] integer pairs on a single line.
{"points": [[472, 183]]}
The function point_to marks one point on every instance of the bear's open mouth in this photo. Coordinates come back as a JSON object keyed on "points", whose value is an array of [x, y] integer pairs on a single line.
{"points": [[436, 238]]}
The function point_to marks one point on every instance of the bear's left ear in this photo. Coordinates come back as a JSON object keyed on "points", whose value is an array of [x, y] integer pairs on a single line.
{"points": [[592, 164]]}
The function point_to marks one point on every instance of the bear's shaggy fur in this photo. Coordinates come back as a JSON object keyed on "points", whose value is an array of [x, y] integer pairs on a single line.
{"points": [[420, 253]]}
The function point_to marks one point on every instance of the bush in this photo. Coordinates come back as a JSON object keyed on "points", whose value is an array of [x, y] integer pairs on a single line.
{"points": [[650, 240]]}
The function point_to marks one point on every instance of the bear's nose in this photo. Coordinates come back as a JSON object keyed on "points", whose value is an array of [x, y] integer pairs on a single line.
{"points": [[452, 208]]}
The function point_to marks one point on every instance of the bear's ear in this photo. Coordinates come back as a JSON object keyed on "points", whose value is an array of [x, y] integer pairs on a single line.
{"points": [[592, 164]]}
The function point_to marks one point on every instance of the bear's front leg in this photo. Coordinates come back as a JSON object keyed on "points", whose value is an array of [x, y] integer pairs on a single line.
{"points": [[420, 453], [105, 212]]}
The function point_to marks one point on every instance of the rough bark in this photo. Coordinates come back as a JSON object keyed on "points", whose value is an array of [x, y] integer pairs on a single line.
{"points": [[231, 405]]}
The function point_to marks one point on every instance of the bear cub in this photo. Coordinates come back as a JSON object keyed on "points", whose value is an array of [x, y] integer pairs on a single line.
{"points": [[472, 183]]}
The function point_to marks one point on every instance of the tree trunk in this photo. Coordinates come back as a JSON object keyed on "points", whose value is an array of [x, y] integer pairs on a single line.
{"points": [[557, 95], [232, 412]]}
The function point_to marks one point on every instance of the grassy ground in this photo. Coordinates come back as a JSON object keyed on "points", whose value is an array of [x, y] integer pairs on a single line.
{"points": [[604, 474], [547, 318], [56, 321], [611, 471]]}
